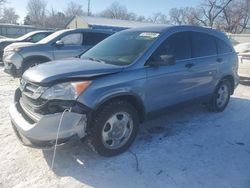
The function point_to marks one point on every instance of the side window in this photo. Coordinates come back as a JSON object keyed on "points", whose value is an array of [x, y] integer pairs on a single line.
{"points": [[223, 47], [72, 39], [177, 45], [38, 37], [91, 39], [203, 45]]}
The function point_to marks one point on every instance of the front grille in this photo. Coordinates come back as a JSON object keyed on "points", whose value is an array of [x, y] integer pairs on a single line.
{"points": [[27, 113], [30, 106], [29, 89], [37, 107], [34, 103]]}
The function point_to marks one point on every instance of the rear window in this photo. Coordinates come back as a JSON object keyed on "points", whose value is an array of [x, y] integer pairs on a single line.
{"points": [[91, 39], [203, 45], [223, 47]]}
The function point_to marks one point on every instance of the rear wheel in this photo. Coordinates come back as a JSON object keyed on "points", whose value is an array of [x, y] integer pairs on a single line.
{"points": [[221, 97], [114, 128]]}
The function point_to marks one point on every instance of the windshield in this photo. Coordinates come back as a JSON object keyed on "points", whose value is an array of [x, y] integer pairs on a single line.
{"points": [[51, 37], [122, 48], [26, 36]]}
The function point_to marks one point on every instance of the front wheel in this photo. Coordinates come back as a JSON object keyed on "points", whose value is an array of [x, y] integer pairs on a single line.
{"points": [[114, 128], [221, 97]]}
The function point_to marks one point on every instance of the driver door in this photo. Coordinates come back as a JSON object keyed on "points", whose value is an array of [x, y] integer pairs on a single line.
{"points": [[170, 84], [71, 46]]}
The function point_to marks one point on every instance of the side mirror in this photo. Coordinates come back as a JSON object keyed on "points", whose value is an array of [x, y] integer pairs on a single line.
{"points": [[165, 60], [59, 43]]}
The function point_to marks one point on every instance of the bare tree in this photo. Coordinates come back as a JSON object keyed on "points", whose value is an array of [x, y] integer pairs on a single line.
{"points": [[183, 16], [56, 19], [9, 16], [159, 18], [39, 16], [235, 17], [2, 2], [74, 9], [27, 20], [210, 10], [117, 11], [141, 19], [37, 12]]}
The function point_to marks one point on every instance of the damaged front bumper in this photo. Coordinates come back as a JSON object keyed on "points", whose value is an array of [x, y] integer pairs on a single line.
{"points": [[12, 63], [43, 133]]}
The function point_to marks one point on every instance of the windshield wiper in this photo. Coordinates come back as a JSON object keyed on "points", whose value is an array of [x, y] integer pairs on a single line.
{"points": [[95, 59]]}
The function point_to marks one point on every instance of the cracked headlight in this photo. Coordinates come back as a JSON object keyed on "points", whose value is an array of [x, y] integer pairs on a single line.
{"points": [[65, 91]]}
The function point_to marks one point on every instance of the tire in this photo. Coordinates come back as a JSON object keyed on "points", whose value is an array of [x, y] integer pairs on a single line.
{"points": [[221, 97], [111, 133]]}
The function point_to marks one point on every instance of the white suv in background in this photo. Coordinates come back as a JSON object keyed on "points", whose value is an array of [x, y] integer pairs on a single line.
{"points": [[243, 51]]}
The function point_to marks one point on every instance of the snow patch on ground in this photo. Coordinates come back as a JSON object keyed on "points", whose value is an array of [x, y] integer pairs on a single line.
{"points": [[186, 148]]}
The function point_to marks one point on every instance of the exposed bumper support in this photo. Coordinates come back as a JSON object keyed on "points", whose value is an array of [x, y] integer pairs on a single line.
{"points": [[13, 63], [43, 133], [11, 69]]}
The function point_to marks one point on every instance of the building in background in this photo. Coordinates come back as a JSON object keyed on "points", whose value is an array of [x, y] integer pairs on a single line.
{"points": [[13, 30], [103, 23]]}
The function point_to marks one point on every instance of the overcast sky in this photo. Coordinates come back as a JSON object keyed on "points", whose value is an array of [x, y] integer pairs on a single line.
{"points": [[141, 7]]}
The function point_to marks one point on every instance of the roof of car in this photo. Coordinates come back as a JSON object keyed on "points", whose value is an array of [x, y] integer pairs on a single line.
{"points": [[158, 28], [164, 28], [89, 30], [41, 31], [179, 28]]}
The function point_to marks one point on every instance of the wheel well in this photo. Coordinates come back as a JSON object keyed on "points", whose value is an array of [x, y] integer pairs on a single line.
{"points": [[231, 80], [36, 58], [129, 99], [33, 59]]}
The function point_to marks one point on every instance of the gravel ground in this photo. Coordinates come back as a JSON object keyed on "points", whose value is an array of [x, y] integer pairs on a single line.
{"points": [[186, 148]]}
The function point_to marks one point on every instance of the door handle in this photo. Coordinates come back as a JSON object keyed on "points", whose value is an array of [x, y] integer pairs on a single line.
{"points": [[189, 65], [219, 60]]}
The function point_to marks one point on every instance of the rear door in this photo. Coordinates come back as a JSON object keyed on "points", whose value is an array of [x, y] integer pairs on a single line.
{"points": [[204, 64], [72, 45]]}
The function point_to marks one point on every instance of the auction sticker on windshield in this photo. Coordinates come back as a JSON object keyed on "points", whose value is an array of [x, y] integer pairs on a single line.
{"points": [[150, 35]]}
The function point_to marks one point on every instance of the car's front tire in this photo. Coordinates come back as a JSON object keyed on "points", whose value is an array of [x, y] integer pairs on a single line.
{"points": [[114, 128], [221, 97]]}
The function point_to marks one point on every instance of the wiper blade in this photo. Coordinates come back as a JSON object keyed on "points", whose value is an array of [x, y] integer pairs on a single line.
{"points": [[95, 59]]}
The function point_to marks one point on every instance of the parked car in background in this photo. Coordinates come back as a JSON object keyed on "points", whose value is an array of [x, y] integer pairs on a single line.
{"points": [[121, 82], [31, 37], [2, 37], [59, 45], [243, 51]]}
